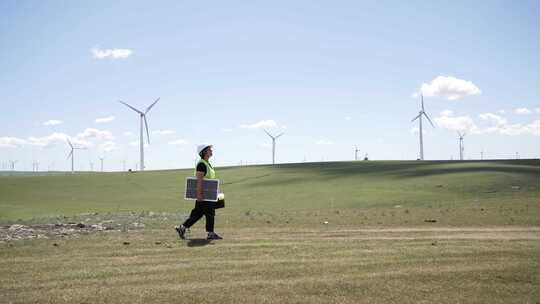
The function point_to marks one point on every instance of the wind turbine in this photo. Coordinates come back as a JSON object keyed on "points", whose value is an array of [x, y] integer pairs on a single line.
{"points": [[72, 155], [419, 117], [101, 159], [273, 145], [145, 122], [356, 153], [461, 146], [12, 164]]}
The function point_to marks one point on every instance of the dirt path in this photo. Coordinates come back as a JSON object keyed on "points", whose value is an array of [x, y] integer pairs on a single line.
{"points": [[393, 233]]}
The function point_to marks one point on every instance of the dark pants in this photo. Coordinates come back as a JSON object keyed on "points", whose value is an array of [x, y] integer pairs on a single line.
{"points": [[202, 208]]}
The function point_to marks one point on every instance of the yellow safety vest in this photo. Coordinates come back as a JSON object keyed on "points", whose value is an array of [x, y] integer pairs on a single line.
{"points": [[210, 172]]}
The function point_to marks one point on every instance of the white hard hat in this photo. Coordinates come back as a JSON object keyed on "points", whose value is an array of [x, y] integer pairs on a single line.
{"points": [[202, 147]]}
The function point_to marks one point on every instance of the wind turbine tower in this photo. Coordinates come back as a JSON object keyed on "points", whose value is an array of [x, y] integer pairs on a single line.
{"points": [[356, 152], [419, 117], [101, 159], [12, 164], [461, 146], [145, 122], [72, 155], [273, 145]]}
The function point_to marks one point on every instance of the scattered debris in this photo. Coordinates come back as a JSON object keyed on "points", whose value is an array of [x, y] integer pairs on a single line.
{"points": [[516, 187], [430, 221], [125, 243], [58, 230], [325, 222], [397, 206], [439, 186]]}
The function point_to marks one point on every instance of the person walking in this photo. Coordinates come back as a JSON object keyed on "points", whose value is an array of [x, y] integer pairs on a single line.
{"points": [[202, 207]]}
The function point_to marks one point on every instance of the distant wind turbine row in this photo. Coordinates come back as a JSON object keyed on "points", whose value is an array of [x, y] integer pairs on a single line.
{"points": [[143, 121], [421, 113]]}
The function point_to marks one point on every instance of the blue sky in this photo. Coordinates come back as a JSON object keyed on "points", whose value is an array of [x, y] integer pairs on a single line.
{"points": [[331, 75]]}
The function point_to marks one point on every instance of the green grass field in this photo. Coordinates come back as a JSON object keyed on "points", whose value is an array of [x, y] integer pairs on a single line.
{"points": [[397, 232]]}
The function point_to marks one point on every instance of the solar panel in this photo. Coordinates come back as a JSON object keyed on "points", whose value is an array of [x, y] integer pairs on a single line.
{"points": [[210, 189]]}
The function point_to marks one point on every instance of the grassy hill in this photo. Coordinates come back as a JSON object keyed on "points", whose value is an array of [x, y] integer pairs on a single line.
{"points": [[374, 192], [397, 232]]}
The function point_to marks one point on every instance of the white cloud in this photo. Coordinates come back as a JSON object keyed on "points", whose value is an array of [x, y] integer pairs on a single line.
{"points": [[449, 87], [105, 119], [226, 130], [128, 133], [537, 110], [86, 139], [501, 111], [494, 119], [177, 142], [57, 139], [111, 53], [348, 118], [91, 133], [163, 132], [266, 145], [522, 111], [456, 123], [499, 125], [11, 142], [52, 122], [519, 129], [447, 113], [261, 124], [324, 142], [534, 127], [108, 146]]}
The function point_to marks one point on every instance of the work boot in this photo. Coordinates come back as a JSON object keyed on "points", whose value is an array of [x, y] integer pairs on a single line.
{"points": [[181, 231], [213, 236]]}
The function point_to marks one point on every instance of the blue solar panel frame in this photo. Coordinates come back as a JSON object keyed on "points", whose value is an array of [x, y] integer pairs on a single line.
{"points": [[210, 189]]}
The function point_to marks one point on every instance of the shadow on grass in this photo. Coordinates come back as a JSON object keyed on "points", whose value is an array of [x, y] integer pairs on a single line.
{"points": [[397, 169], [198, 242]]}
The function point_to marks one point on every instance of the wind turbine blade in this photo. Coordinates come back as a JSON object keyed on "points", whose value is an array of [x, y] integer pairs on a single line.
{"points": [[429, 119], [280, 134], [70, 154], [147, 133], [69, 143], [148, 109], [422, 102], [130, 107], [268, 133], [418, 116]]}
